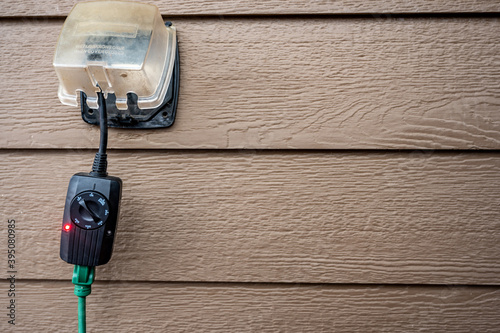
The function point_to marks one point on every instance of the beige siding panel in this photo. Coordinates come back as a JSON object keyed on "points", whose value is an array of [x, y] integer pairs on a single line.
{"points": [[325, 83], [421, 217], [267, 7], [50, 306]]}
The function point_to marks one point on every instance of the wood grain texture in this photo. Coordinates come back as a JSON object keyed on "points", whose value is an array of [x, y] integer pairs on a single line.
{"points": [[430, 218], [163, 307], [284, 83], [12, 8]]}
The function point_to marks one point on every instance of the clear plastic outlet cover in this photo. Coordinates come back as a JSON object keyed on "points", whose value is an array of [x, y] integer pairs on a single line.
{"points": [[122, 47]]}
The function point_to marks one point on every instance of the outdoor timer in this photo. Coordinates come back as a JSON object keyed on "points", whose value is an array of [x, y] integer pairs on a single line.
{"points": [[90, 218]]}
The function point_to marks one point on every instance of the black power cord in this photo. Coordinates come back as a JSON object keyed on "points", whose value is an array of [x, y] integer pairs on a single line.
{"points": [[101, 159]]}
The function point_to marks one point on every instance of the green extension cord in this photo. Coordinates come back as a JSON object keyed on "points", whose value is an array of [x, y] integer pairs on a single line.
{"points": [[83, 276]]}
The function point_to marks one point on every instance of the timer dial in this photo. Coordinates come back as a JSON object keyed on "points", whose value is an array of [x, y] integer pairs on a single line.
{"points": [[89, 210]]}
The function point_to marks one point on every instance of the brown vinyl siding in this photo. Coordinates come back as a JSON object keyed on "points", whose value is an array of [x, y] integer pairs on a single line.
{"points": [[326, 172]]}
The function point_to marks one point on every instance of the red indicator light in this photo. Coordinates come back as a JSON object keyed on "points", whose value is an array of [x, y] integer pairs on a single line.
{"points": [[67, 227]]}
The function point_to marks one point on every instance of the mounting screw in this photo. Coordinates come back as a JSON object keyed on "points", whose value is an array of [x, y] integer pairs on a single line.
{"points": [[109, 233]]}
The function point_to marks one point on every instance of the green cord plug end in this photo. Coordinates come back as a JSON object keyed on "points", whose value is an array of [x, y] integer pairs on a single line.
{"points": [[83, 277]]}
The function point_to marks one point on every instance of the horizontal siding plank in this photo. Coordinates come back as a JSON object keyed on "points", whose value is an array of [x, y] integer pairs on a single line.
{"points": [[352, 217], [289, 83], [161, 307], [12, 8]]}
